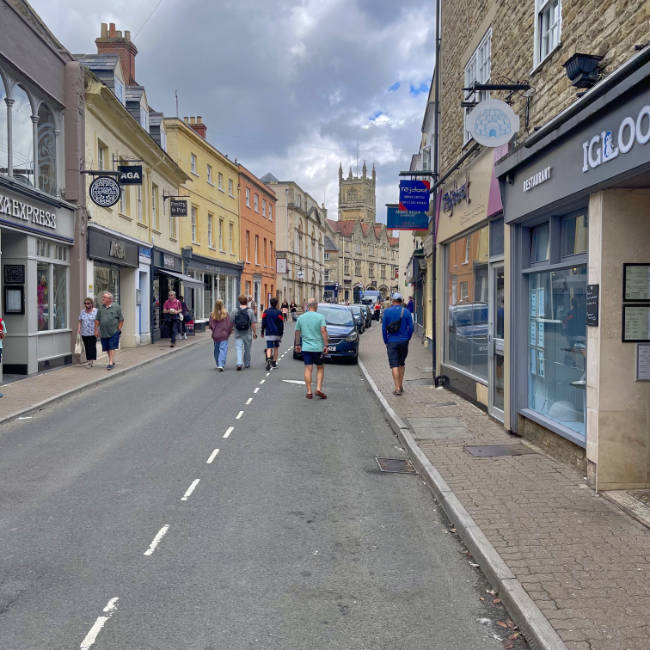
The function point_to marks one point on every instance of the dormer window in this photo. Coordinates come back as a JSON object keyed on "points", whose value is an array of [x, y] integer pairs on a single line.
{"points": [[144, 118], [118, 89]]}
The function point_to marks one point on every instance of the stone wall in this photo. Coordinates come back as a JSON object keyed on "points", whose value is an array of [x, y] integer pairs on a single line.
{"points": [[610, 28]]}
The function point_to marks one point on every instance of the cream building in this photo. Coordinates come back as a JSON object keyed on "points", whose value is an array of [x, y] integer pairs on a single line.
{"points": [[300, 239], [133, 246]]}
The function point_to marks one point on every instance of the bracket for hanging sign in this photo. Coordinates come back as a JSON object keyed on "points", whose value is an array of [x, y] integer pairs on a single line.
{"points": [[511, 89], [99, 172]]}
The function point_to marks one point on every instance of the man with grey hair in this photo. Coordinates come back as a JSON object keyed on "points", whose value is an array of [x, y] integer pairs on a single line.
{"points": [[313, 328], [108, 326]]}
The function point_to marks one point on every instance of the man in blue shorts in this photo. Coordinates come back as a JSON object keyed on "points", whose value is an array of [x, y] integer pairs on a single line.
{"points": [[397, 329], [313, 329], [272, 330], [108, 326]]}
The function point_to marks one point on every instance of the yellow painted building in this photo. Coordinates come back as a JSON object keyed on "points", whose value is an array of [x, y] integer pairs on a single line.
{"points": [[133, 246], [209, 236]]}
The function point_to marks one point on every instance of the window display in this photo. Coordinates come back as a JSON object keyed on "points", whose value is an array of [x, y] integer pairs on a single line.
{"points": [[467, 303], [107, 278], [557, 345], [51, 296]]}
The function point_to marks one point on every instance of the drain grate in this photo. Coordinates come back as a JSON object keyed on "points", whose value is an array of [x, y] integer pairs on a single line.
{"points": [[395, 465], [488, 451]]}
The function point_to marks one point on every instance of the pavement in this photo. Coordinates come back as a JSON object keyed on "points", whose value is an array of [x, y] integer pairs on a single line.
{"points": [[571, 567]]}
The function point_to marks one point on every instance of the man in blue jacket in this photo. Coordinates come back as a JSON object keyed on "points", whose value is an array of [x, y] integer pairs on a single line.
{"points": [[397, 329], [272, 329]]}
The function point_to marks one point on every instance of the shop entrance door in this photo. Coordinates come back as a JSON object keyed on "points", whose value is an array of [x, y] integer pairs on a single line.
{"points": [[496, 364]]}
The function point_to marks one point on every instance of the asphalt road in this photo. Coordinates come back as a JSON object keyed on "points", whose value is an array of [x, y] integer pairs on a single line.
{"points": [[123, 527]]}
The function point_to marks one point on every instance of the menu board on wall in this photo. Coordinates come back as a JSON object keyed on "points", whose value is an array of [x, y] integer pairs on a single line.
{"points": [[636, 323], [642, 362], [636, 282]]}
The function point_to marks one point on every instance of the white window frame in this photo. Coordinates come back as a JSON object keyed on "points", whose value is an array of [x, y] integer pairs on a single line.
{"points": [[209, 171], [248, 197], [210, 230], [257, 250], [231, 236], [327, 257], [270, 213], [193, 164], [195, 224], [220, 181], [221, 236], [138, 198], [545, 8], [154, 207], [230, 187], [256, 203], [478, 68], [173, 234], [263, 207]]}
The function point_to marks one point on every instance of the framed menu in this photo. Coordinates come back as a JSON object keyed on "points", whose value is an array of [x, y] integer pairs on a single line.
{"points": [[636, 282], [642, 362], [636, 323]]}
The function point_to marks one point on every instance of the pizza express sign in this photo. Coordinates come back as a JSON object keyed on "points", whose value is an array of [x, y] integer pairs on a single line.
{"points": [[26, 212]]}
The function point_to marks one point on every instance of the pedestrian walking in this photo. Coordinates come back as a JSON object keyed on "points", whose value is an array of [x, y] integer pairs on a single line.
{"points": [[272, 331], [245, 330], [108, 326], [86, 329], [184, 317], [284, 308], [377, 311], [172, 308], [311, 326], [410, 305], [252, 305], [293, 310], [221, 327], [397, 329]]}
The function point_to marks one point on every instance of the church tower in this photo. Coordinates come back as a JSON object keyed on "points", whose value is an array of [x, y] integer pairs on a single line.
{"points": [[357, 196]]}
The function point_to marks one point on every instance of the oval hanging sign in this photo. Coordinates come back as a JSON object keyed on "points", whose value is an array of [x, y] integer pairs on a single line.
{"points": [[492, 123], [105, 191]]}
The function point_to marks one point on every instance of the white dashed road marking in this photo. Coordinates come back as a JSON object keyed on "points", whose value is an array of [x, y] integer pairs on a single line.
{"points": [[213, 455], [262, 381], [229, 430], [190, 489], [257, 389], [91, 637], [239, 415], [156, 540]]}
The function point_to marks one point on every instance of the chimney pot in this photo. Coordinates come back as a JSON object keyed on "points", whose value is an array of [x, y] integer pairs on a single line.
{"points": [[103, 30], [199, 119], [127, 35], [111, 30], [192, 120], [186, 119]]}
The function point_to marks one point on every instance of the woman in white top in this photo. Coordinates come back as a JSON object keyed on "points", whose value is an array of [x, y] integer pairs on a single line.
{"points": [[87, 330]]}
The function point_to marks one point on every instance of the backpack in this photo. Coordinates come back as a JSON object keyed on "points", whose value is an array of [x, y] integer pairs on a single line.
{"points": [[394, 326], [242, 320]]}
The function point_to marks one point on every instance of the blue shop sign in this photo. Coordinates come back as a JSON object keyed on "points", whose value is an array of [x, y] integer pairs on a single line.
{"points": [[406, 219], [414, 195]]}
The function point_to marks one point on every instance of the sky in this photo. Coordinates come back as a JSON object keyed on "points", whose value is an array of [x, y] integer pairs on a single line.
{"points": [[291, 87]]}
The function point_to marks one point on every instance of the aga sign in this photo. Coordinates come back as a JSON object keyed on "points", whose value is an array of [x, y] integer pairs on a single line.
{"points": [[130, 174]]}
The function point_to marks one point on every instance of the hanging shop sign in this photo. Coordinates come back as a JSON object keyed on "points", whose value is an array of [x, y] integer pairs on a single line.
{"points": [[405, 219], [177, 208], [414, 195], [105, 191], [492, 123], [281, 265], [130, 174]]}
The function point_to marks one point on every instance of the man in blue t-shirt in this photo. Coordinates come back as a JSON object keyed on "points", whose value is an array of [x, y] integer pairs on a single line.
{"points": [[397, 329], [313, 329]]}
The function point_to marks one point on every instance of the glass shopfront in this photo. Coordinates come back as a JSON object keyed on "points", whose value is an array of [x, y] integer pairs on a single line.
{"points": [[466, 345], [107, 278]]}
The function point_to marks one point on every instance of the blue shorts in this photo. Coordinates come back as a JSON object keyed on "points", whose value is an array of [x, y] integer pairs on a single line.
{"points": [[312, 358], [272, 344], [397, 353], [112, 342]]}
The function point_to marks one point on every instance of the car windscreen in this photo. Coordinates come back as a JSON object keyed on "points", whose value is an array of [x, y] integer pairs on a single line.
{"points": [[356, 309], [336, 316]]}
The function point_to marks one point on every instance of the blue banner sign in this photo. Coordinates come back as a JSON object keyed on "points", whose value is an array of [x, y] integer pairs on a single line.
{"points": [[406, 219], [414, 195]]}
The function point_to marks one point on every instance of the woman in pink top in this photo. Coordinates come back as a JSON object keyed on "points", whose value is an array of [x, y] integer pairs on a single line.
{"points": [[221, 327]]}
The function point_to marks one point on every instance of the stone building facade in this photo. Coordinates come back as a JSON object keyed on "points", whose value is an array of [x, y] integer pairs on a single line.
{"points": [[526, 232], [300, 234]]}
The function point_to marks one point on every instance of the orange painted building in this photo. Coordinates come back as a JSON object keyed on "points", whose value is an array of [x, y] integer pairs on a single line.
{"points": [[257, 222]]}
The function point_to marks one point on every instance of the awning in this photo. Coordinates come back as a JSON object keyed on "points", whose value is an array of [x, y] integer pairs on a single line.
{"points": [[188, 279]]}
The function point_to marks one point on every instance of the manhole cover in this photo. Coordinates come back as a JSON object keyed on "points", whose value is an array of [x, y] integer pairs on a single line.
{"points": [[396, 465], [487, 451]]}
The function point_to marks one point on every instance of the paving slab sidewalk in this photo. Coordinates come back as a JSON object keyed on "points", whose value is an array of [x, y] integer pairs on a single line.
{"points": [[36, 391], [558, 553]]}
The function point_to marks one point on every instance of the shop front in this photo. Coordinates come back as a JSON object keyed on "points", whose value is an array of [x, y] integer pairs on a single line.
{"points": [[167, 275], [36, 235], [114, 267], [471, 284], [211, 280], [577, 203]]}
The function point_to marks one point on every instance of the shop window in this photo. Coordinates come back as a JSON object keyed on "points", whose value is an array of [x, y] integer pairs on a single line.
{"points": [[539, 243], [557, 345], [46, 150], [548, 28], [466, 298], [107, 279], [51, 296], [574, 235]]}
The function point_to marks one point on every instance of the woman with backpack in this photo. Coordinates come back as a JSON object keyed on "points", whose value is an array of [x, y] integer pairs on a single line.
{"points": [[221, 326], [245, 331]]}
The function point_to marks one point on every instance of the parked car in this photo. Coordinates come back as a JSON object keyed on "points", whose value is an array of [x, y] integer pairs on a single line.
{"points": [[367, 312], [342, 333], [360, 318]]}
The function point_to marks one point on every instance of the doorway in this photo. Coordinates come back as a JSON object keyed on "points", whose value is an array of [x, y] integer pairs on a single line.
{"points": [[496, 327]]}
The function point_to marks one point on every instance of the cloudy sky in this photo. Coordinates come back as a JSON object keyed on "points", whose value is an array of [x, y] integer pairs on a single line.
{"points": [[291, 87]]}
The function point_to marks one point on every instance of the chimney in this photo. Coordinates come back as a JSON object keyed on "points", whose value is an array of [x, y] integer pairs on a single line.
{"points": [[111, 41], [198, 126]]}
